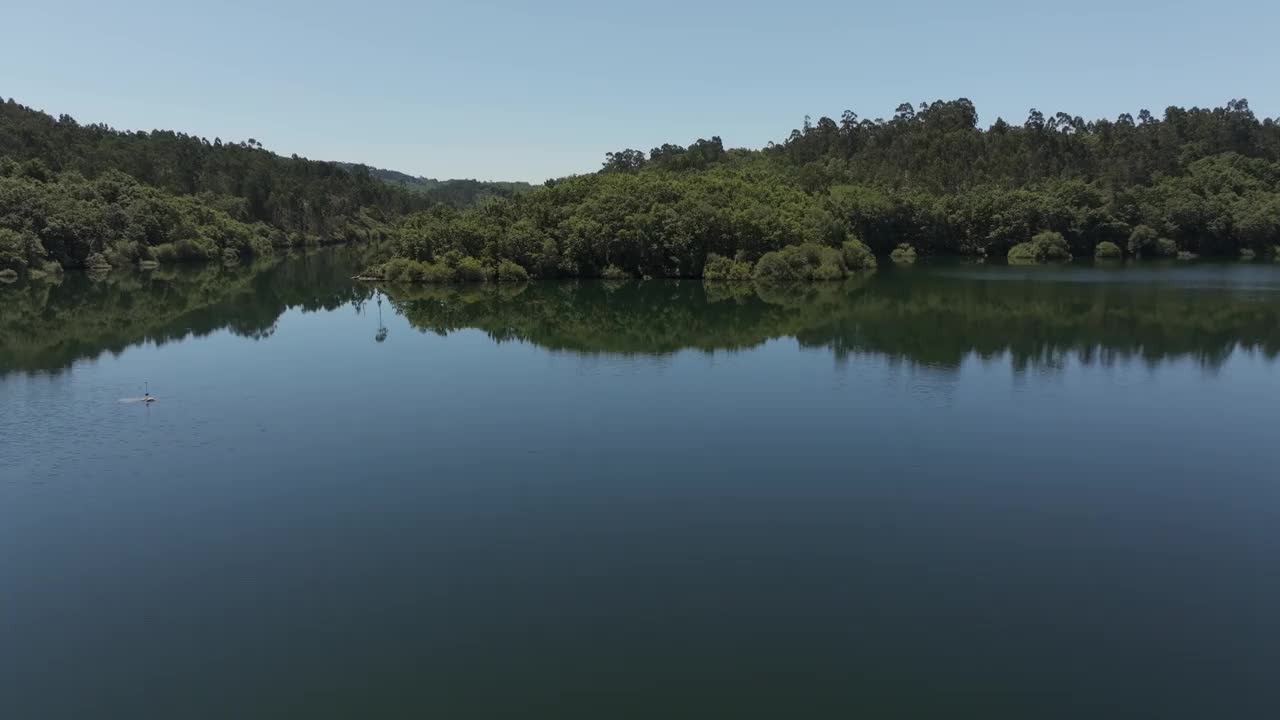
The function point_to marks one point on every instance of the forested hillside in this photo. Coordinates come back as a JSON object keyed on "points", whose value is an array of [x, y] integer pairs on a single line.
{"points": [[75, 195], [1203, 181], [458, 193], [817, 205]]}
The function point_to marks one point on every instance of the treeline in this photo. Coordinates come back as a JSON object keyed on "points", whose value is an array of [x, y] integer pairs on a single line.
{"points": [[49, 222], [471, 193], [73, 195], [616, 225], [1197, 181], [458, 193], [818, 205]]}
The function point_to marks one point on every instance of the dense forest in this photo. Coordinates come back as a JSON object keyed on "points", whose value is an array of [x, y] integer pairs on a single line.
{"points": [[458, 193], [75, 195], [820, 205], [929, 180]]}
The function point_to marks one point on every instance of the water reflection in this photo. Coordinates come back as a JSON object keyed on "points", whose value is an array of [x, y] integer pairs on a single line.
{"points": [[47, 327], [933, 318], [935, 315], [381, 335]]}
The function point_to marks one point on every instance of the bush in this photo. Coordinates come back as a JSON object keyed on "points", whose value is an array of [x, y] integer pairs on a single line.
{"points": [[1052, 245], [471, 269], [857, 256], [1166, 247], [828, 271], [801, 263], [1143, 239], [1247, 254], [1187, 255], [406, 270], [509, 272], [165, 253], [191, 249], [904, 253], [399, 270], [18, 250], [260, 246], [439, 273], [1107, 251], [44, 269], [1275, 253], [1044, 246], [613, 272], [773, 267], [123, 253], [719, 267], [1024, 252], [230, 256], [97, 261]]}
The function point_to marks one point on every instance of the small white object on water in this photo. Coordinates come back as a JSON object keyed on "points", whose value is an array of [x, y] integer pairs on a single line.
{"points": [[146, 395]]}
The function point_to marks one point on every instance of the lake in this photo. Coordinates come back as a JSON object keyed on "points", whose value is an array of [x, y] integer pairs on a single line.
{"points": [[945, 490]]}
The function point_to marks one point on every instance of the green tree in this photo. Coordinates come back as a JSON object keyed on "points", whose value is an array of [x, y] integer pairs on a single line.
{"points": [[1142, 240], [1107, 250]]}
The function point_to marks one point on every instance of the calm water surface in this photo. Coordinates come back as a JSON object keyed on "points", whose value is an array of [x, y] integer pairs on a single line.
{"points": [[955, 491]]}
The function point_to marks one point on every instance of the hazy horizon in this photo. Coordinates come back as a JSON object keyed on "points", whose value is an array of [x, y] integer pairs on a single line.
{"points": [[497, 91]]}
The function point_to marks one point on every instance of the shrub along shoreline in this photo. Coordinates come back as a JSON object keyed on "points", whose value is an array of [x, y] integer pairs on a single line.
{"points": [[804, 263], [808, 262]]}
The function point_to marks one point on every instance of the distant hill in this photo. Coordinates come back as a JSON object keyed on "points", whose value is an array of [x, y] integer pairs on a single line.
{"points": [[458, 193], [78, 195]]}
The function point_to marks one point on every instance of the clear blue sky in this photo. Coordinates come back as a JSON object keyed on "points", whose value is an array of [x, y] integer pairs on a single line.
{"points": [[497, 89]]}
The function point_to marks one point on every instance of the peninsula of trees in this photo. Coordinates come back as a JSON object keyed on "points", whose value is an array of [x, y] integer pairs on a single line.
{"points": [[929, 180]]}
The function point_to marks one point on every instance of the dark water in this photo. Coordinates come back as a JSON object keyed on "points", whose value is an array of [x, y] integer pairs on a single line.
{"points": [[947, 491]]}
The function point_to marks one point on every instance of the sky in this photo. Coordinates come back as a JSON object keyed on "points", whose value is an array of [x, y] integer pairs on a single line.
{"points": [[504, 90]]}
